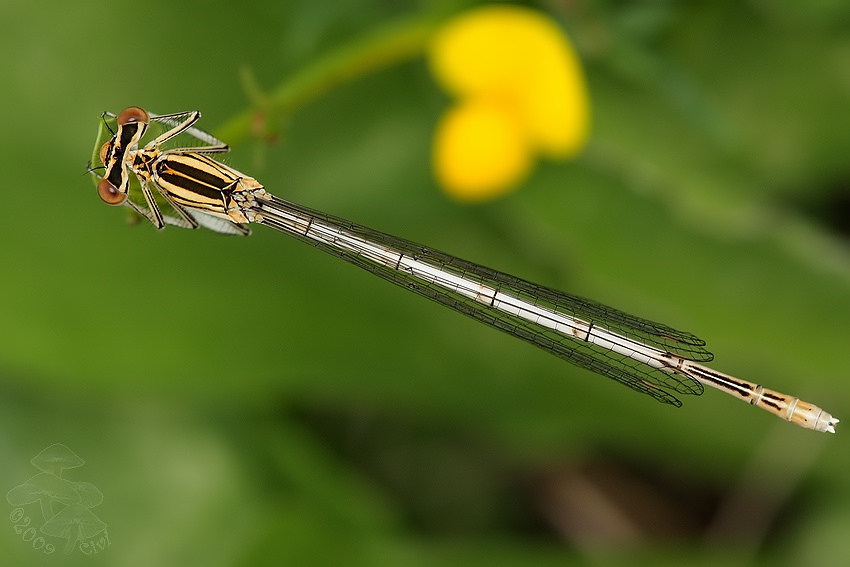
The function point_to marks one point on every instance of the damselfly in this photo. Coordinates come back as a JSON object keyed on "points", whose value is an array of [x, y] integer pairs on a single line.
{"points": [[182, 185]]}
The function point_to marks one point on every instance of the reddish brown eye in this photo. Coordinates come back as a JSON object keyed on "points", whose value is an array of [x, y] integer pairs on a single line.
{"points": [[109, 193], [132, 114]]}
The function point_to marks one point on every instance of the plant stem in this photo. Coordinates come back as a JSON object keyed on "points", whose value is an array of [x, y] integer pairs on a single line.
{"points": [[385, 46]]}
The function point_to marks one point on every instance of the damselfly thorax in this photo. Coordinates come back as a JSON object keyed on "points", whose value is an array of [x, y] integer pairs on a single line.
{"points": [[197, 190]]}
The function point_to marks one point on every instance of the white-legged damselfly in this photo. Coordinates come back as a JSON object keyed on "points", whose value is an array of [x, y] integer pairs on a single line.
{"points": [[182, 185]]}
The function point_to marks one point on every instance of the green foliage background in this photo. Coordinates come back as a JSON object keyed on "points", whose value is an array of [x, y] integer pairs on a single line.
{"points": [[254, 402]]}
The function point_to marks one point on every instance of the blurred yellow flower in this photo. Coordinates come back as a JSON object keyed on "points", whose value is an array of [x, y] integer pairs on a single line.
{"points": [[521, 92]]}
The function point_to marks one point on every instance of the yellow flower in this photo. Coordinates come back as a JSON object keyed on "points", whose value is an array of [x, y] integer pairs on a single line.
{"points": [[521, 93]]}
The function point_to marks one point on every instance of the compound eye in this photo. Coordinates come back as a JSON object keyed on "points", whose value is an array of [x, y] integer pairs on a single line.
{"points": [[133, 114], [109, 193]]}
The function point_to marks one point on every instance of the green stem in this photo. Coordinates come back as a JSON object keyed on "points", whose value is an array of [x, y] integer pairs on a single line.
{"points": [[390, 44]]}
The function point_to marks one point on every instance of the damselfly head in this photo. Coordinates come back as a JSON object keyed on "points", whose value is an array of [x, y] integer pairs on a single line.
{"points": [[132, 123]]}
